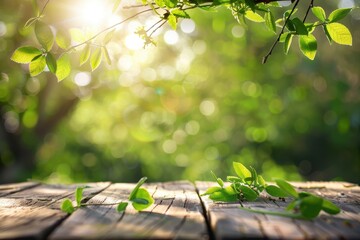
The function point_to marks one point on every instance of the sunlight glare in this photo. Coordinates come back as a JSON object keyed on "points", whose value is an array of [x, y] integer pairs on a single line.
{"points": [[171, 37], [134, 42], [93, 13]]}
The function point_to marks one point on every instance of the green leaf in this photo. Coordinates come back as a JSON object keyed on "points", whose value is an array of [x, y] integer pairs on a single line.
{"points": [[170, 3], [67, 206], [30, 21], [77, 35], [224, 195], [276, 191], [63, 39], [79, 195], [299, 27], [311, 206], [136, 188], [339, 33], [122, 206], [253, 16], [25, 54], [234, 179], [180, 13], [37, 65], [308, 46], [270, 21], [287, 42], [287, 187], [290, 25], [51, 62], [63, 67], [108, 37], [85, 54], [330, 207], [172, 20], [339, 14], [95, 59], [211, 190], [261, 181], [253, 174], [319, 13], [44, 35], [241, 170], [142, 199], [248, 193], [116, 5], [106, 55], [160, 3]]}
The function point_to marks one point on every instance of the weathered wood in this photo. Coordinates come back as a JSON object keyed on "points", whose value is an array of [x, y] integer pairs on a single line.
{"points": [[177, 213], [6, 189], [33, 212], [229, 222]]}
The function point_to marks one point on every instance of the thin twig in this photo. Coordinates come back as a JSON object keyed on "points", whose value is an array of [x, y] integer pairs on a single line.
{"points": [[43, 9], [311, 5], [107, 29], [282, 31], [162, 24]]}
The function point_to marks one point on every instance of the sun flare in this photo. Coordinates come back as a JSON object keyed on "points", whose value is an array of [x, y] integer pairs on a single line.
{"points": [[93, 13]]}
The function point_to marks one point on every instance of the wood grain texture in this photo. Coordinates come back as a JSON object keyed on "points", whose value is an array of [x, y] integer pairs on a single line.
{"points": [[229, 222], [6, 189], [33, 212], [176, 214]]}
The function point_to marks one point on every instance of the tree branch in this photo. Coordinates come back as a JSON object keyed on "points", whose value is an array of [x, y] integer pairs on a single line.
{"points": [[282, 31]]}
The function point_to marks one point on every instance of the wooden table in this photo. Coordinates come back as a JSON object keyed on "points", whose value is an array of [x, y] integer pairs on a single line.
{"points": [[31, 210]]}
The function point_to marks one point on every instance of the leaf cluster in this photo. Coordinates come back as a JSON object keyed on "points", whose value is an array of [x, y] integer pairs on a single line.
{"points": [[248, 185], [139, 197]]}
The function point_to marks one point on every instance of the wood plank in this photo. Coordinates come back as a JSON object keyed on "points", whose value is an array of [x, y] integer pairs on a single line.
{"points": [[6, 189], [34, 212], [229, 222], [176, 214]]}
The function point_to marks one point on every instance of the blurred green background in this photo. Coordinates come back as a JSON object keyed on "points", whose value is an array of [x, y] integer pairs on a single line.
{"points": [[196, 102]]}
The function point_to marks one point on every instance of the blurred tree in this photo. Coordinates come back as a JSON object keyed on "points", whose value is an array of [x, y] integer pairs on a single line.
{"points": [[196, 102]]}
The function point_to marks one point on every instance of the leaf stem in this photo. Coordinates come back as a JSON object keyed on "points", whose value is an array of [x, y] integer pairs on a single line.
{"points": [[311, 5], [281, 32]]}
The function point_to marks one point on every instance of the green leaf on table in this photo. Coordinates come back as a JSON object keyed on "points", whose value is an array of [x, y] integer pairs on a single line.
{"points": [[51, 62], [85, 54], [339, 14], [311, 206], [122, 206], [44, 35], [25, 54], [276, 191], [287, 187], [253, 174], [339, 33], [253, 16], [270, 21], [67, 206], [37, 65], [142, 199], [308, 46], [241, 170], [211, 190], [63, 39], [319, 13], [248, 193], [234, 179], [299, 27], [95, 59], [63, 67], [330, 207], [79, 195], [136, 188], [227, 194], [261, 181]]}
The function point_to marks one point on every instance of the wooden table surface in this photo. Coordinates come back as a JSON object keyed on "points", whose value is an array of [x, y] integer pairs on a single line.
{"points": [[31, 210]]}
